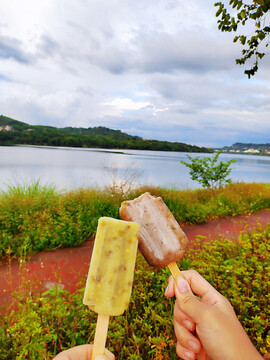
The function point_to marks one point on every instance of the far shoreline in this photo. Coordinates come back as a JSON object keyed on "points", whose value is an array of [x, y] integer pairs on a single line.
{"points": [[123, 151]]}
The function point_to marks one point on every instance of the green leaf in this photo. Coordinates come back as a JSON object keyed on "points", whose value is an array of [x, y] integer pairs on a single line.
{"points": [[261, 35], [243, 39], [243, 14], [219, 12]]}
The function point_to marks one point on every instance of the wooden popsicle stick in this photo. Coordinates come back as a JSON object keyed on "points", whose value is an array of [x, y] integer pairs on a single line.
{"points": [[100, 335], [174, 269]]}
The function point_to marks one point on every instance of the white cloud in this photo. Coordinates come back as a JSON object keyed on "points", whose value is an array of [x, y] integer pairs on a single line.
{"points": [[156, 110], [128, 104]]}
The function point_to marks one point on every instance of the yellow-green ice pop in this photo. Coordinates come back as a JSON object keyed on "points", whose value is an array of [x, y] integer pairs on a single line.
{"points": [[109, 283]]}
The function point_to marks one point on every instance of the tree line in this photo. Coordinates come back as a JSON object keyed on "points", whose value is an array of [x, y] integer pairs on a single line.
{"points": [[97, 137]]}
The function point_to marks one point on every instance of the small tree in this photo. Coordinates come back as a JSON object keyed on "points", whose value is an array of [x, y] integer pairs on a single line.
{"points": [[208, 171]]}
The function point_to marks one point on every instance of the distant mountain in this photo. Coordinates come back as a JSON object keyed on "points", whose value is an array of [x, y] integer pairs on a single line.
{"points": [[15, 132], [258, 149]]}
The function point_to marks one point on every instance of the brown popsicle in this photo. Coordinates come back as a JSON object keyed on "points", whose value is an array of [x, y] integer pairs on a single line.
{"points": [[161, 239]]}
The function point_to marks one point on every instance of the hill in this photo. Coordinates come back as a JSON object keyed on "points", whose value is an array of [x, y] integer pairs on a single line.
{"points": [[15, 132], [247, 148]]}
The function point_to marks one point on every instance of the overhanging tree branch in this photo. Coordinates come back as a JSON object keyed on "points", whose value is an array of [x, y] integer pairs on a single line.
{"points": [[258, 12]]}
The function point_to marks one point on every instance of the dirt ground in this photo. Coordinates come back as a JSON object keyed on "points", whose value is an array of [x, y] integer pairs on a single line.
{"points": [[67, 267]]}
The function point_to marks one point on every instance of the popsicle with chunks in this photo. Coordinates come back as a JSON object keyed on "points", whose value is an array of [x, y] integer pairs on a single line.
{"points": [[109, 282], [161, 239]]}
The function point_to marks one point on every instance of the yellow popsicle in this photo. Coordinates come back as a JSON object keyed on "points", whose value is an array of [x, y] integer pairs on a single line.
{"points": [[111, 271]]}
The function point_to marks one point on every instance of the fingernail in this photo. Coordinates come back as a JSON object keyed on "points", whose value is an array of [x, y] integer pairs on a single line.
{"points": [[193, 345], [167, 288], [182, 285], [100, 357], [189, 354], [188, 324]]}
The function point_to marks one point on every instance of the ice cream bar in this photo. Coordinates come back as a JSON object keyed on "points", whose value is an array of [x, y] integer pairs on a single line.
{"points": [[161, 240], [110, 277]]}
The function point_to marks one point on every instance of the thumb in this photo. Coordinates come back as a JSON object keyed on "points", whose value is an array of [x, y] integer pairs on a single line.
{"points": [[187, 301], [101, 357]]}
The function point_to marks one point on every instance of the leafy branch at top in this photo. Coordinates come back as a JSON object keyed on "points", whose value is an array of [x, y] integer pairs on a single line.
{"points": [[257, 12]]}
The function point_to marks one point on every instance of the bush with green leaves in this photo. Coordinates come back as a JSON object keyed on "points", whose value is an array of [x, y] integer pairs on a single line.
{"points": [[37, 219], [210, 173], [45, 324]]}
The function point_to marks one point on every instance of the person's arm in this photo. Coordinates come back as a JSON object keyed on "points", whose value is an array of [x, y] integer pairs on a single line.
{"points": [[206, 327], [83, 352]]}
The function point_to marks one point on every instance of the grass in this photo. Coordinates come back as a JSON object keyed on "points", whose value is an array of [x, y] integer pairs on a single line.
{"points": [[34, 189], [36, 218], [50, 322]]}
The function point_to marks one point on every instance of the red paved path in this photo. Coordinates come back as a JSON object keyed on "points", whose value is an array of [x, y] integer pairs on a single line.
{"points": [[67, 267]]}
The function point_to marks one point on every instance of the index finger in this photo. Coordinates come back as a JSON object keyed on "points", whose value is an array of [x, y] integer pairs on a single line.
{"points": [[202, 287]]}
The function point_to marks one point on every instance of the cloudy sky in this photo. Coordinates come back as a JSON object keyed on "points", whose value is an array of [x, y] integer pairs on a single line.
{"points": [[158, 69]]}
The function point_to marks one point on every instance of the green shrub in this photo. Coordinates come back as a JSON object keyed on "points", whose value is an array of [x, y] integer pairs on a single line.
{"points": [[46, 324], [200, 205], [210, 173], [39, 218], [34, 221]]}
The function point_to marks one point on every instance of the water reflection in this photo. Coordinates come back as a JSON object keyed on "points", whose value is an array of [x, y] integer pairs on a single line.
{"points": [[69, 168]]}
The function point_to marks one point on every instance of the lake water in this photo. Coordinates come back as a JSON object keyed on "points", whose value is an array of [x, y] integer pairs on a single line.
{"points": [[69, 168]]}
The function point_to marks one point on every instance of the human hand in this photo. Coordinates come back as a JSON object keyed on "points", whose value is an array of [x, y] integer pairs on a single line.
{"points": [[206, 328], [83, 352]]}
